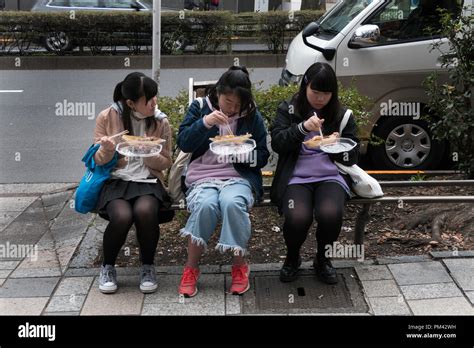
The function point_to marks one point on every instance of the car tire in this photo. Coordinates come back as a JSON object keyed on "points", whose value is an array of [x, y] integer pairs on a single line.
{"points": [[57, 42], [408, 145], [181, 43]]}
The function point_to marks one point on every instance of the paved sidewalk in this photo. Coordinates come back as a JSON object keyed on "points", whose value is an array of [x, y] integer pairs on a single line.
{"points": [[60, 278]]}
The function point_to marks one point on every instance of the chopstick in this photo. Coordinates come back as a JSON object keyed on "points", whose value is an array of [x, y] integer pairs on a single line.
{"points": [[319, 128], [227, 126], [229, 129], [118, 134]]}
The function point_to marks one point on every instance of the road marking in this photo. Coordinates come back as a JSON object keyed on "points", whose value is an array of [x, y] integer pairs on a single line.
{"points": [[11, 91]]}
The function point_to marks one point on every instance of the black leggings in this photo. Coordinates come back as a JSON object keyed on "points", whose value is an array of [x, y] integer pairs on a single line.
{"points": [[326, 200], [143, 211]]}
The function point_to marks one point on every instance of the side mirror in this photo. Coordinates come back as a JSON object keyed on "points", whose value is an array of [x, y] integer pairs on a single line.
{"points": [[365, 36], [311, 29]]}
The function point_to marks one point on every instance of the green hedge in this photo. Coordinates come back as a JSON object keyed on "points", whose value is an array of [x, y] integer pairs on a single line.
{"points": [[279, 27], [207, 31]]}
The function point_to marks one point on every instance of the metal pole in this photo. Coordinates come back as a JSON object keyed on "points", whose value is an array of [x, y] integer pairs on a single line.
{"points": [[156, 58]]}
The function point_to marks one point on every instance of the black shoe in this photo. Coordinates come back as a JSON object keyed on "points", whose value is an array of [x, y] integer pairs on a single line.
{"points": [[325, 271], [289, 271]]}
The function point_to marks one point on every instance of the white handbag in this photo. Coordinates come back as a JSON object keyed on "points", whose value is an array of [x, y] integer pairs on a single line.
{"points": [[363, 185]]}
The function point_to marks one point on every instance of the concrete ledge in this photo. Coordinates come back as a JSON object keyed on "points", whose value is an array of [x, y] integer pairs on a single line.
{"points": [[452, 254], [256, 60]]}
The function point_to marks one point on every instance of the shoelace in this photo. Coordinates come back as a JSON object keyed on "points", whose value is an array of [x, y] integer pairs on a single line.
{"points": [[238, 273], [147, 275], [108, 276], [189, 277]]}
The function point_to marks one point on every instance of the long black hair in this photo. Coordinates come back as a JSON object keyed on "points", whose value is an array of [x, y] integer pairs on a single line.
{"points": [[133, 87], [235, 81], [320, 77]]}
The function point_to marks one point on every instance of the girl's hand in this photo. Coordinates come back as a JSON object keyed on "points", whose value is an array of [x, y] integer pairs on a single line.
{"points": [[313, 123], [122, 162], [215, 118], [107, 144]]}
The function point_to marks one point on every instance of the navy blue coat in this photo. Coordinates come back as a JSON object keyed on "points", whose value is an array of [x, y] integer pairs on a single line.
{"points": [[193, 136]]}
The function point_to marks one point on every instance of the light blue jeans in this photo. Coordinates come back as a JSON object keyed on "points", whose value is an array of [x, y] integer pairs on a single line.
{"points": [[212, 200]]}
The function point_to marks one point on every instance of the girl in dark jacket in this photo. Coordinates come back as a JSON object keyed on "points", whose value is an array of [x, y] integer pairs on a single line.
{"points": [[307, 182]]}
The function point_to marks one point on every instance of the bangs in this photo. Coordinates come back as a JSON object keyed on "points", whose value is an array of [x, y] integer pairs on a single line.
{"points": [[324, 82], [319, 77], [233, 79], [150, 88]]}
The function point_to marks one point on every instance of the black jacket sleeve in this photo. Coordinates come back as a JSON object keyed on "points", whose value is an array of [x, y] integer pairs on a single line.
{"points": [[286, 133], [351, 157]]}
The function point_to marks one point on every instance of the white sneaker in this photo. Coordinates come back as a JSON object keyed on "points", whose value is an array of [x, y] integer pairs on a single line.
{"points": [[108, 279]]}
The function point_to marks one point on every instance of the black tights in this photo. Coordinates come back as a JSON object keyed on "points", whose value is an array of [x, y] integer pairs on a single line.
{"points": [[326, 200], [143, 211]]}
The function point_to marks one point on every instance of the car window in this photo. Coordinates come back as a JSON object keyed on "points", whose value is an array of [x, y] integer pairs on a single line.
{"points": [[59, 3], [75, 3], [345, 11], [402, 20], [118, 4]]}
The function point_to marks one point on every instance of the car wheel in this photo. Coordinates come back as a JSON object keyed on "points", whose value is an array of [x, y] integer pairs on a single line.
{"points": [[181, 43], [57, 42], [408, 144]]}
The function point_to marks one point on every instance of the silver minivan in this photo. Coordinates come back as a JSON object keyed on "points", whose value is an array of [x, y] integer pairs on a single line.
{"points": [[384, 45]]}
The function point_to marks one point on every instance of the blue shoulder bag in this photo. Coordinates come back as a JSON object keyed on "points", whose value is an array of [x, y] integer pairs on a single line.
{"points": [[88, 192]]}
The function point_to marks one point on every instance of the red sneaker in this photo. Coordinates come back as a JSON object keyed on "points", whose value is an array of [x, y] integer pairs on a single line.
{"points": [[240, 279], [188, 287]]}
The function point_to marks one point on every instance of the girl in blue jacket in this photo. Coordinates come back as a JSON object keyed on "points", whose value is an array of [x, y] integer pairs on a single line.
{"points": [[219, 189]]}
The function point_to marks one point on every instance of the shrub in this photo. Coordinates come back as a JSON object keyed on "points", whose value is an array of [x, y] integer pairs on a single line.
{"points": [[451, 115], [175, 108], [278, 27], [208, 30]]}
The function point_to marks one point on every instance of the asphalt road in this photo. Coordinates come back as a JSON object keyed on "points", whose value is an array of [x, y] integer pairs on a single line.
{"points": [[38, 145]]}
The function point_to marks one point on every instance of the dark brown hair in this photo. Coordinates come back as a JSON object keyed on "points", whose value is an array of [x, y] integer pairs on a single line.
{"points": [[320, 77], [235, 81], [133, 87]]}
